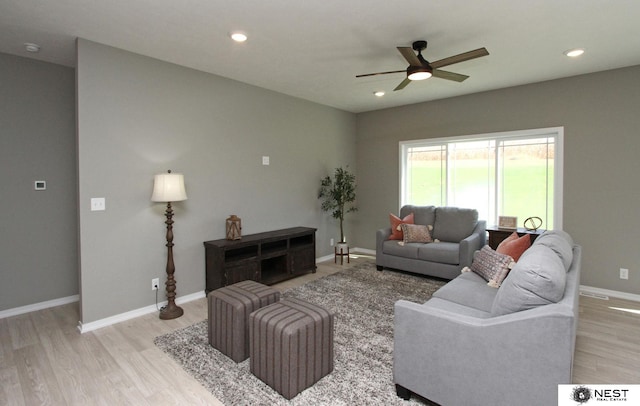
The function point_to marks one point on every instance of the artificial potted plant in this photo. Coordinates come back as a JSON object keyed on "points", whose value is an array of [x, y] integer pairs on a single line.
{"points": [[338, 194]]}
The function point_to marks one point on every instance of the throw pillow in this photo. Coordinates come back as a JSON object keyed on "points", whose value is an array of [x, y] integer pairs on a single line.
{"points": [[512, 237], [415, 233], [491, 265], [396, 231], [514, 246]]}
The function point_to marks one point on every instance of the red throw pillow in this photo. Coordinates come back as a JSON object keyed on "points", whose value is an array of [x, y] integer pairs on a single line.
{"points": [[396, 230], [512, 237], [514, 246]]}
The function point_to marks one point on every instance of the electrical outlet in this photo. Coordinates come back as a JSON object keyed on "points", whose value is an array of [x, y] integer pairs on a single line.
{"points": [[98, 204], [331, 242], [155, 282], [624, 273]]}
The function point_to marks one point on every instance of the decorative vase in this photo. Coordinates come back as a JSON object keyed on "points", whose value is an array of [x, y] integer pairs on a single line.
{"points": [[234, 228]]}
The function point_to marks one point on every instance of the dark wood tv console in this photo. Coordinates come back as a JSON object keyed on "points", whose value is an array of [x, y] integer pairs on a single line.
{"points": [[268, 257]]}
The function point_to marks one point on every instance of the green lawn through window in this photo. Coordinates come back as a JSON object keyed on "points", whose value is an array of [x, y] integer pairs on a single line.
{"points": [[524, 181]]}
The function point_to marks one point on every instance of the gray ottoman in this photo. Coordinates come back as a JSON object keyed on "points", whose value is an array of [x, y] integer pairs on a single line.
{"points": [[228, 310], [291, 345]]}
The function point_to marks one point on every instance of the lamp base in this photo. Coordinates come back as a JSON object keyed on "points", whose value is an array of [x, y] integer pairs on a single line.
{"points": [[171, 312]]}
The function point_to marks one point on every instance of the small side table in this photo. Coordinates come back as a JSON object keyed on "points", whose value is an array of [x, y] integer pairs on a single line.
{"points": [[340, 253], [497, 234]]}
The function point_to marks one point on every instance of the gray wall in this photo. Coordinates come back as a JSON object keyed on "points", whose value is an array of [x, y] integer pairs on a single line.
{"points": [[138, 116], [599, 113], [38, 253]]}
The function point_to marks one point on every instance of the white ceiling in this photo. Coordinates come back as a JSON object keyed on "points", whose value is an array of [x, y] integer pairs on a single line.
{"points": [[314, 49]]}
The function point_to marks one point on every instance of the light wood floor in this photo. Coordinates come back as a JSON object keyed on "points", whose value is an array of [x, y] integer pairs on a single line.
{"points": [[44, 360]]}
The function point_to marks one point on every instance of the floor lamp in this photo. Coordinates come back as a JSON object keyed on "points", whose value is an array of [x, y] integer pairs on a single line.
{"points": [[169, 187]]}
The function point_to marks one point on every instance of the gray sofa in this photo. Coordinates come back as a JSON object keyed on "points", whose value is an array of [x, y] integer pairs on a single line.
{"points": [[458, 230], [471, 344]]}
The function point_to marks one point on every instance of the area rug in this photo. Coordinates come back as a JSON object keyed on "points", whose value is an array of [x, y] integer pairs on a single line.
{"points": [[362, 300]]}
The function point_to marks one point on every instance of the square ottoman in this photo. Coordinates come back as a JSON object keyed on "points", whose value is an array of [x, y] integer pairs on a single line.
{"points": [[291, 345], [228, 310]]}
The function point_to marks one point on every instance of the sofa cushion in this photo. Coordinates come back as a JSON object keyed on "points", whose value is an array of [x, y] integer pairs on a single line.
{"points": [[514, 246], [415, 233], [441, 252], [396, 231], [393, 247], [454, 224], [469, 290], [425, 215], [537, 279], [491, 265], [560, 242]]}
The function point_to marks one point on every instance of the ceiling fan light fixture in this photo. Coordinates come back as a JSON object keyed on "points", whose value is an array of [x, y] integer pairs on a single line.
{"points": [[418, 73], [421, 69]]}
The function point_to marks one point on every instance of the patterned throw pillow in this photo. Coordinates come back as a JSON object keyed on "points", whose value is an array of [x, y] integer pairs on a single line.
{"points": [[491, 265], [396, 230], [514, 246], [415, 233]]}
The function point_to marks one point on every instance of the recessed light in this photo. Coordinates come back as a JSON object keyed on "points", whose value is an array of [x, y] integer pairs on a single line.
{"points": [[379, 93], [238, 36], [573, 53], [30, 47]]}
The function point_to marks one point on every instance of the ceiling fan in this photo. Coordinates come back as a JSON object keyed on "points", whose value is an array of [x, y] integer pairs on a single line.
{"points": [[420, 69]]}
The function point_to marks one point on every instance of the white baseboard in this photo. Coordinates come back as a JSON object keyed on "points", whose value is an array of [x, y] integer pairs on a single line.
{"points": [[38, 306], [366, 251], [612, 293], [94, 325], [353, 251], [325, 258]]}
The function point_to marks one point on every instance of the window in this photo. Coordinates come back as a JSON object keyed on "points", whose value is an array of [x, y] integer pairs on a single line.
{"points": [[515, 173]]}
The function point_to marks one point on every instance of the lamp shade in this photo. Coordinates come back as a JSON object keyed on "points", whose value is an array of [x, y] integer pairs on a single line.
{"points": [[168, 187]]}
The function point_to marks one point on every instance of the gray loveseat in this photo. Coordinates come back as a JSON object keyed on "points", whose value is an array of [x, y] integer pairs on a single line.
{"points": [[458, 230], [471, 344]]}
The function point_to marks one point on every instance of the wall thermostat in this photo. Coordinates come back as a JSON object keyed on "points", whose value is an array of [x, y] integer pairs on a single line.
{"points": [[40, 185]]}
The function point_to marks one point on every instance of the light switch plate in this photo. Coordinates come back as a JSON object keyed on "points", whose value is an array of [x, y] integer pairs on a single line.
{"points": [[265, 160], [40, 185], [98, 204]]}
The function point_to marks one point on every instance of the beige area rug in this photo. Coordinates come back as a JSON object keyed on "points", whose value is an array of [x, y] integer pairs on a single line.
{"points": [[362, 300]]}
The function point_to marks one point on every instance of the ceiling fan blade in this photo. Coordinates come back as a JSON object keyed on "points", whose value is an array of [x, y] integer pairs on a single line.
{"points": [[410, 56], [381, 73], [477, 53], [443, 74], [402, 84]]}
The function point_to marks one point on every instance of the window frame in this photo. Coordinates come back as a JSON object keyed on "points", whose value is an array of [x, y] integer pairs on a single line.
{"points": [[558, 178]]}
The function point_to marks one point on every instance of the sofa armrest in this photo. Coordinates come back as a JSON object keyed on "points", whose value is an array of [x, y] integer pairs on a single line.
{"points": [[437, 352], [472, 243], [382, 235]]}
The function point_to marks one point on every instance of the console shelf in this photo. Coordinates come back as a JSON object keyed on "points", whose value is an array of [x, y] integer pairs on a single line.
{"points": [[268, 258]]}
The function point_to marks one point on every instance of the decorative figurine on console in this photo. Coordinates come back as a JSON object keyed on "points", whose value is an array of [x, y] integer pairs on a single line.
{"points": [[234, 228]]}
